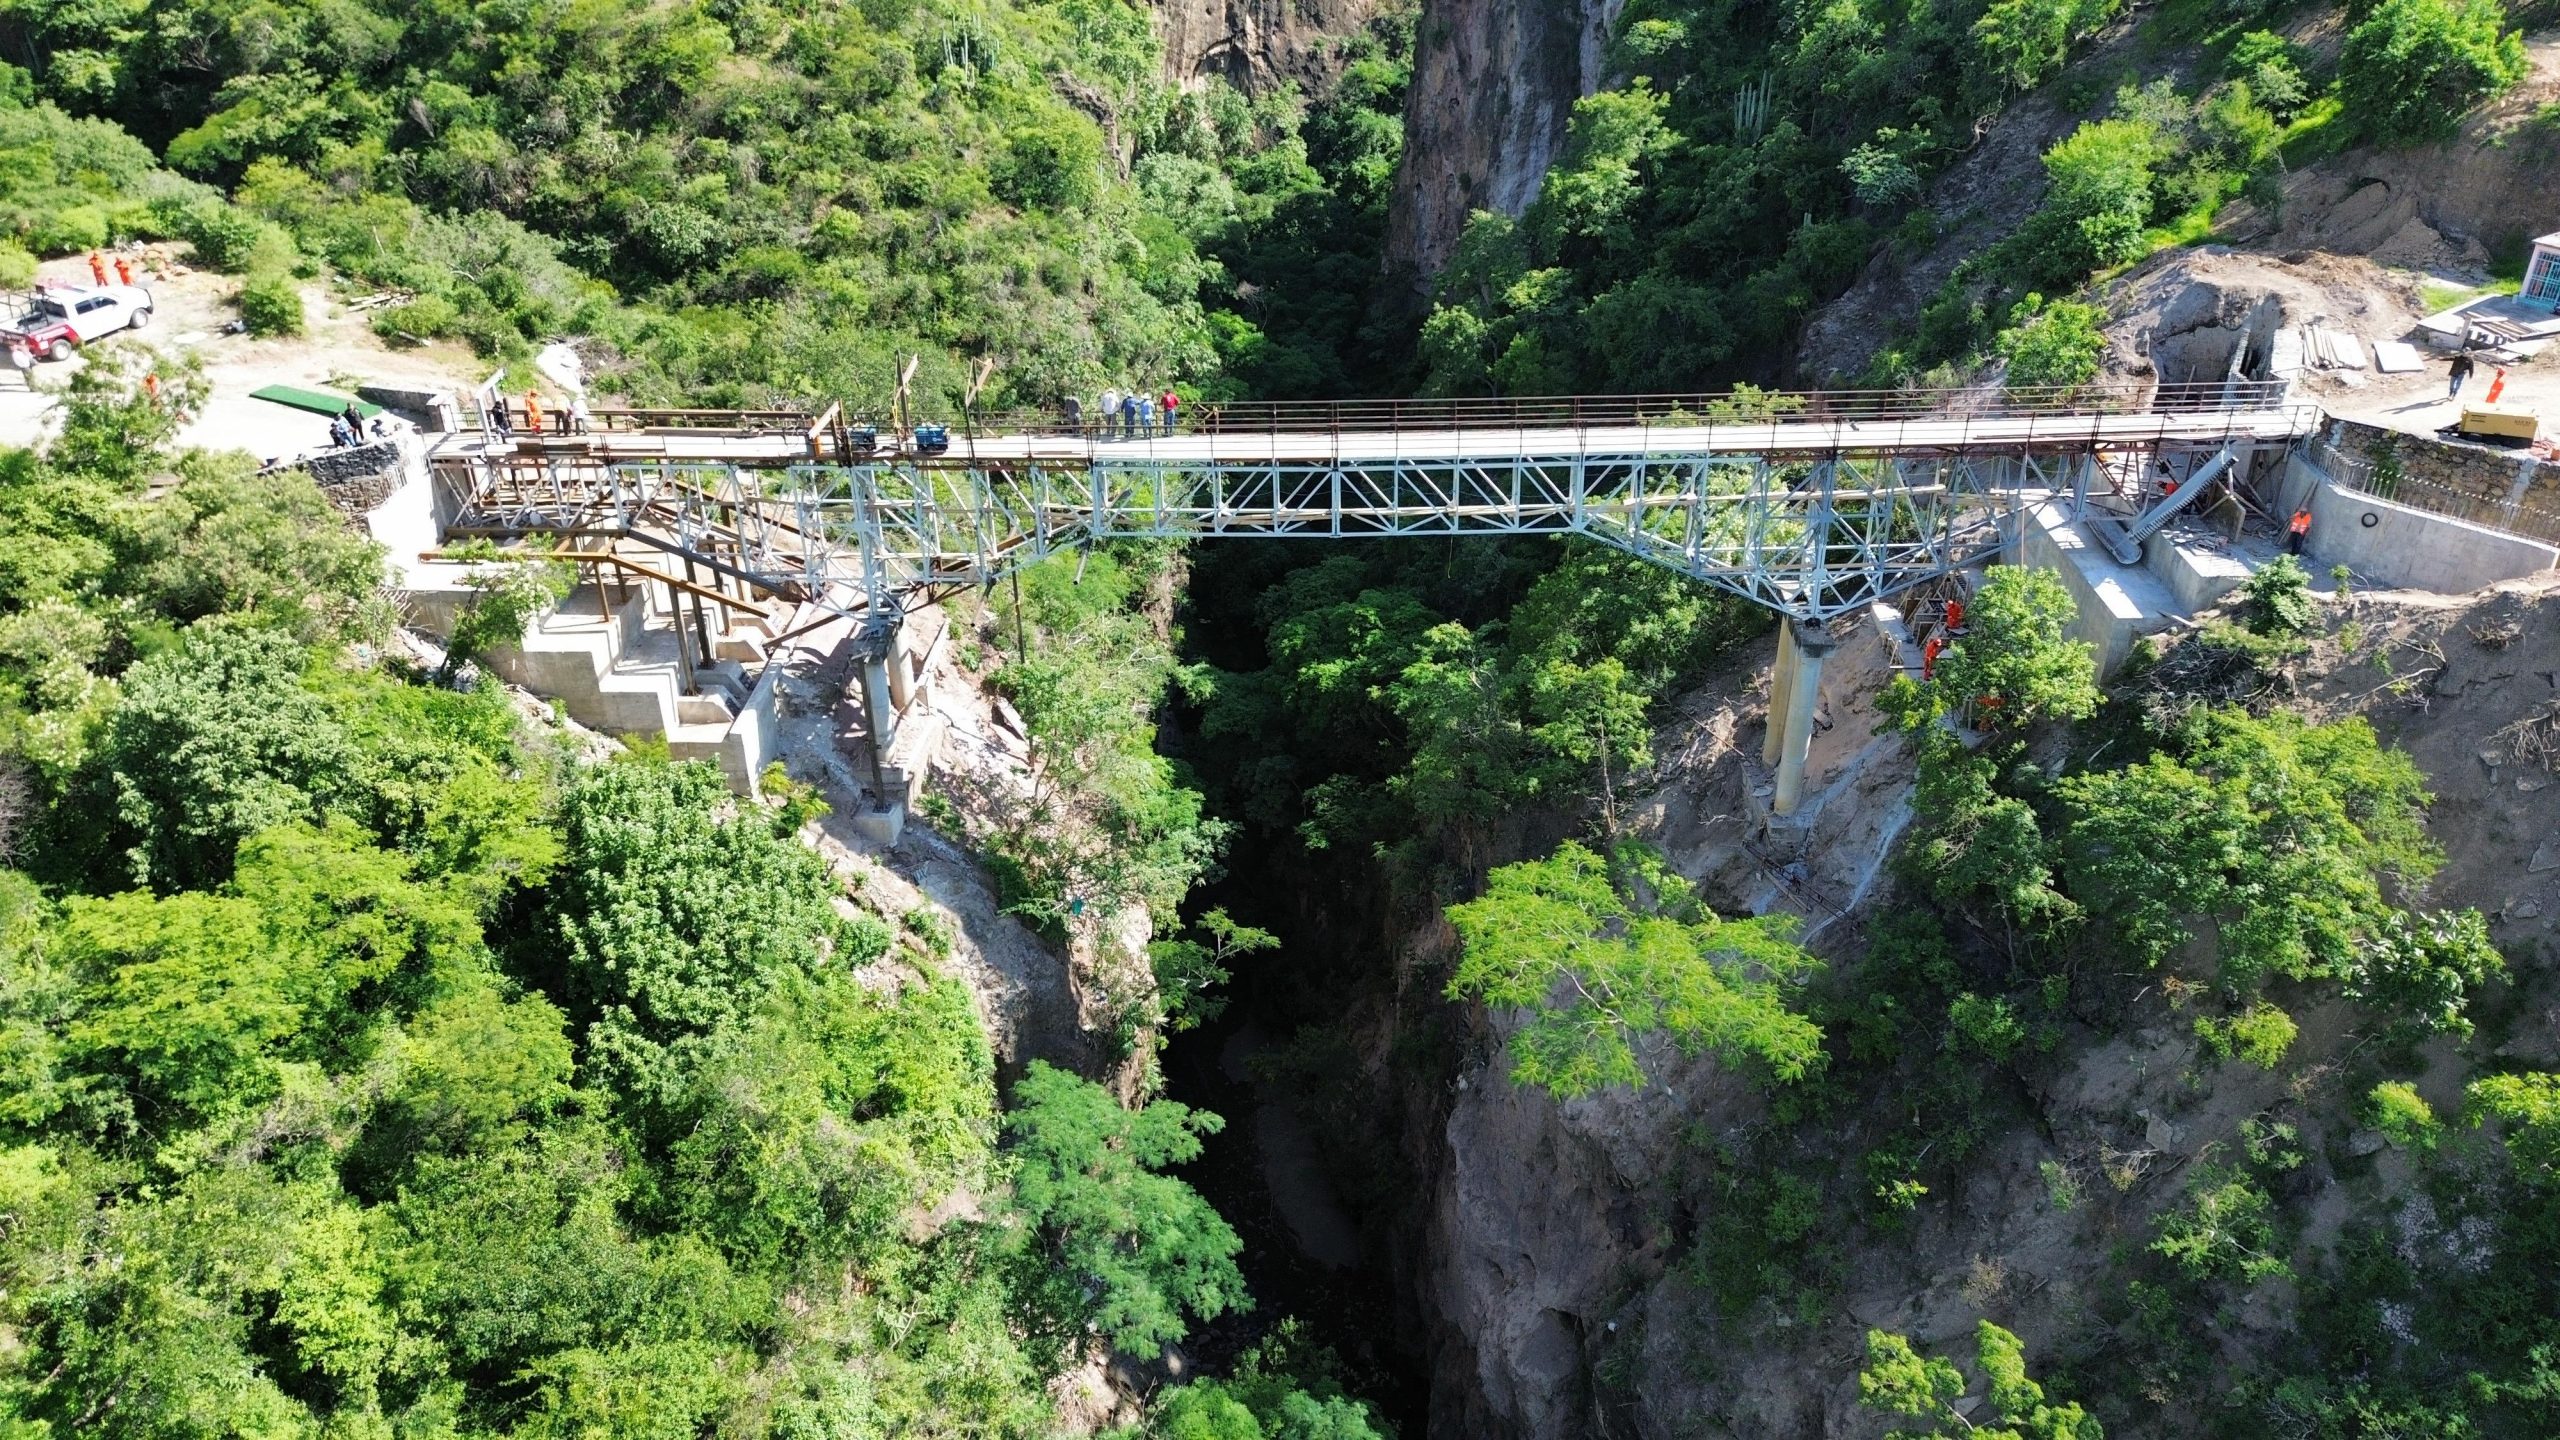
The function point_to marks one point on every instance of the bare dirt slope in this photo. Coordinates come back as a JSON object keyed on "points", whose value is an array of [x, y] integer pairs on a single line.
{"points": [[2445, 210]]}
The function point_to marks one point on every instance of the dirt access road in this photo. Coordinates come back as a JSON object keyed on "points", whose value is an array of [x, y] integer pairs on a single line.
{"points": [[337, 352]]}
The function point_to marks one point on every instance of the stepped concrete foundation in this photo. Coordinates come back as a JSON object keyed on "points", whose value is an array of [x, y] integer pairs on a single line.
{"points": [[626, 655], [2118, 604]]}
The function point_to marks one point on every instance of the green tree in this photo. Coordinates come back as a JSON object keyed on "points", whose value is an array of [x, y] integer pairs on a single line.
{"points": [[2423, 969], [2526, 1107], [2016, 663], [2273, 70], [1976, 846], [113, 428], [1187, 969], [1902, 1382], [271, 304], [2097, 201], [833, 1115], [2412, 68], [2020, 42], [2225, 1228], [2276, 598], [2404, 1117], [216, 740], [2260, 1033], [1143, 1246], [507, 596], [675, 915], [1594, 970], [2057, 344], [191, 1001], [2279, 830]]}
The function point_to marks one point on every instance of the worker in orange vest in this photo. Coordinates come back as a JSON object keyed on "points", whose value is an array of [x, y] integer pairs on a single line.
{"points": [[533, 411], [1955, 617], [97, 267], [1929, 653], [124, 271], [2297, 532]]}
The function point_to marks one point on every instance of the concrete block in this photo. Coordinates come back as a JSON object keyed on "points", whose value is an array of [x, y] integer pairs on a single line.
{"points": [[2386, 543], [2117, 603], [2197, 573], [430, 410], [882, 825]]}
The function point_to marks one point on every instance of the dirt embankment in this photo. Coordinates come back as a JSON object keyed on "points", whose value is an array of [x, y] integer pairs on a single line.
{"points": [[1555, 1289], [2448, 210]]}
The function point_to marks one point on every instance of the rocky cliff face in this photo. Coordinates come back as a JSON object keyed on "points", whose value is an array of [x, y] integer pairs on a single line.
{"points": [[1555, 1240], [1257, 45], [1494, 82], [1556, 1305]]}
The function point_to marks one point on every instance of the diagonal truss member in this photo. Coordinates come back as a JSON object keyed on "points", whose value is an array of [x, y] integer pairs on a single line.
{"points": [[1810, 535]]}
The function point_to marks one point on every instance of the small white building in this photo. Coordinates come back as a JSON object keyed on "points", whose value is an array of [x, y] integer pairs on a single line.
{"points": [[2542, 272]]}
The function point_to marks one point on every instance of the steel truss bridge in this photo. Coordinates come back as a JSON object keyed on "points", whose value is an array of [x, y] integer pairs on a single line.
{"points": [[1813, 504]]}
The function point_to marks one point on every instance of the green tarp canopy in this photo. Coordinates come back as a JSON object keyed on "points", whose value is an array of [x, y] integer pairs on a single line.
{"points": [[318, 402]]}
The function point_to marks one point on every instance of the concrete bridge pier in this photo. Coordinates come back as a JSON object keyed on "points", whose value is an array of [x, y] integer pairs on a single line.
{"points": [[875, 652], [1794, 691]]}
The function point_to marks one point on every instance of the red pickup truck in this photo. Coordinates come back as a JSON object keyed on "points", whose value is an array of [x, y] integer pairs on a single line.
{"points": [[61, 318]]}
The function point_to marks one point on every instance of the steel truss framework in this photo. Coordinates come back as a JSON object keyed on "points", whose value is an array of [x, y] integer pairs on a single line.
{"points": [[1810, 536]]}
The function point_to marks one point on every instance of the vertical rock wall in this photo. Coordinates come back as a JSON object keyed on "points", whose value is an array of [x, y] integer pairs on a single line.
{"points": [[1494, 82], [1257, 45]]}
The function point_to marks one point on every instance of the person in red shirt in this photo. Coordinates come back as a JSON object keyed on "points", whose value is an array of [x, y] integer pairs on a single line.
{"points": [[1172, 410]]}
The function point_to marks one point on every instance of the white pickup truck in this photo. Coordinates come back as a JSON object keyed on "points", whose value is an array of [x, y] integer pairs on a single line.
{"points": [[63, 317]]}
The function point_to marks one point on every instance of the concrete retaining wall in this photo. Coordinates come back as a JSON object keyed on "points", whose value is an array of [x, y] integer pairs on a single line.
{"points": [[2117, 604], [2197, 572], [430, 410], [2385, 543]]}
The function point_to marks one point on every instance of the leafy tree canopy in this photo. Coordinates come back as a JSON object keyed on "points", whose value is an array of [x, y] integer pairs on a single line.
{"points": [[1596, 969], [1103, 1221]]}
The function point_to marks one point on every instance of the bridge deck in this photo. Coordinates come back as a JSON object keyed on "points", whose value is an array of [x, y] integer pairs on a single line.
{"points": [[1948, 434]]}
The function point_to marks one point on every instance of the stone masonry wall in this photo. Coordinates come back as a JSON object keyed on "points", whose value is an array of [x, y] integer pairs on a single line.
{"points": [[360, 479], [2475, 472]]}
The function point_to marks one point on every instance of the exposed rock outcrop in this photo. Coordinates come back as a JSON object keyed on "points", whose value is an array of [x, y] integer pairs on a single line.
{"points": [[1558, 1292], [1257, 45], [2451, 206], [1494, 83]]}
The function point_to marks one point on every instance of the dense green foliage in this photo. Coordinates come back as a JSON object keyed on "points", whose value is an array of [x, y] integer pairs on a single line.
{"points": [[1126, 1251], [1281, 1389], [369, 1068], [736, 203], [1404, 695], [2413, 67], [1559, 940], [2052, 345], [1910, 1386]]}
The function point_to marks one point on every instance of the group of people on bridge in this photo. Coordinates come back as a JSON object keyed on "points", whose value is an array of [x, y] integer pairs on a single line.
{"points": [[1128, 416]]}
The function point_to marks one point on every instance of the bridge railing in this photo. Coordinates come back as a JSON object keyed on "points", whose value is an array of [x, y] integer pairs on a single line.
{"points": [[1540, 412]]}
